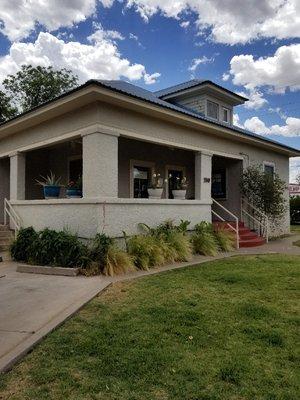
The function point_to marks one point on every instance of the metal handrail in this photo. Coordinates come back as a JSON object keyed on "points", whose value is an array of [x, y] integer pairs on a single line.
{"points": [[11, 213], [236, 229], [263, 226]]}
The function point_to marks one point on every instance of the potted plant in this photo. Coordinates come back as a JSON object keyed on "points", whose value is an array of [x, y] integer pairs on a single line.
{"points": [[50, 185], [74, 188], [179, 192], [156, 188]]}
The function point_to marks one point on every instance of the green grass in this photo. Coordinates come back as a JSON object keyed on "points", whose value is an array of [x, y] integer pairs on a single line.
{"points": [[217, 331]]}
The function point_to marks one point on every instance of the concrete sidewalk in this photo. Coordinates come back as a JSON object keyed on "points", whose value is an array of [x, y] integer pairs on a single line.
{"points": [[33, 305]]}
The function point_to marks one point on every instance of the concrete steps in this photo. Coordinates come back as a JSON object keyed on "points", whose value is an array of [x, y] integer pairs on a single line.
{"points": [[247, 238], [6, 237]]}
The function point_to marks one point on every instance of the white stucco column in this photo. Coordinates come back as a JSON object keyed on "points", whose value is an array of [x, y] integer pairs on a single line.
{"points": [[17, 176], [100, 165], [203, 162]]}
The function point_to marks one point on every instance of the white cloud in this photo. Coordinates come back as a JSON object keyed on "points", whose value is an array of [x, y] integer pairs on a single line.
{"points": [[100, 34], [290, 129], [279, 72], [19, 17], [294, 168], [201, 60], [98, 60], [232, 21], [256, 99], [184, 24], [150, 79], [225, 77]]}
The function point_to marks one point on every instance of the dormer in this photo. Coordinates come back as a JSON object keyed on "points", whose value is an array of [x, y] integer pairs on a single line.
{"points": [[204, 97]]}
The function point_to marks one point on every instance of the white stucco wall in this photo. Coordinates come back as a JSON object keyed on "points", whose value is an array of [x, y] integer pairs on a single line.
{"points": [[87, 217], [149, 129]]}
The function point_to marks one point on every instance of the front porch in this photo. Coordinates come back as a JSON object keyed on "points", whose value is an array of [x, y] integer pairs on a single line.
{"points": [[116, 172]]}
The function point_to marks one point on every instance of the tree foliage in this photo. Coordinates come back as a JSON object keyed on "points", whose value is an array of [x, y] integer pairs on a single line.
{"points": [[7, 111], [264, 191], [33, 86]]}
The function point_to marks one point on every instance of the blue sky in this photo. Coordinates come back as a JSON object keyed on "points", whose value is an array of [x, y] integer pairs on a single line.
{"points": [[250, 47]]}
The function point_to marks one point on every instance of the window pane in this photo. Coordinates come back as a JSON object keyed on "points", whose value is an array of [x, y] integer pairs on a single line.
{"points": [[218, 184], [212, 110], [141, 176], [269, 170]]}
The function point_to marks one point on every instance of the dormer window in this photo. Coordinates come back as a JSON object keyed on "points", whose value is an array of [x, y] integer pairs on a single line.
{"points": [[212, 110], [226, 115]]}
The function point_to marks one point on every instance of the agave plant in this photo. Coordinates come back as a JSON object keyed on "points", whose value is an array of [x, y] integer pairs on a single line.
{"points": [[49, 180]]}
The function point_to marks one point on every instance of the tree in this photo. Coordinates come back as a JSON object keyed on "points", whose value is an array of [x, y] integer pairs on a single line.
{"points": [[32, 86], [7, 111], [264, 190]]}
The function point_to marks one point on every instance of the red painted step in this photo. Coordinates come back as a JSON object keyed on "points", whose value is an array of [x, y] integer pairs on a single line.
{"points": [[247, 238]]}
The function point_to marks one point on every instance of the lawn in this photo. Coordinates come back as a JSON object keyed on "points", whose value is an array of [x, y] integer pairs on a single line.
{"points": [[222, 330], [295, 228]]}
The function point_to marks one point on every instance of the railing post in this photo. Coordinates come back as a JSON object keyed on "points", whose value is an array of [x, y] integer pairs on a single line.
{"points": [[5, 216]]}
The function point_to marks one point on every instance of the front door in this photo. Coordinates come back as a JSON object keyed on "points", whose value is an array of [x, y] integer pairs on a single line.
{"points": [[141, 181]]}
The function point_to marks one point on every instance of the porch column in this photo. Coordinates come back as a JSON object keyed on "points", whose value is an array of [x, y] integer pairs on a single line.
{"points": [[100, 165], [203, 162], [17, 176]]}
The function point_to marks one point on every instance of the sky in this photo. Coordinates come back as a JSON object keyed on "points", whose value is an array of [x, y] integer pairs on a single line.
{"points": [[251, 47]]}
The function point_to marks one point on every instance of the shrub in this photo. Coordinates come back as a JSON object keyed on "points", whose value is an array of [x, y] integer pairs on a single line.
{"points": [[225, 239], [295, 209], [61, 249], [146, 251], [108, 258], [21, 248], [117, 261], [203, 240]]}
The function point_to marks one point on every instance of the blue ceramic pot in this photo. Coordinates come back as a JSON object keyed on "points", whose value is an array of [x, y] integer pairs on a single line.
{"points": [[75, 193], [51, 192]]}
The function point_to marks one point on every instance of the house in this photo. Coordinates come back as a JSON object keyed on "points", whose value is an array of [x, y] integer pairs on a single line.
{"points": [[117, 135], [294, 189]]}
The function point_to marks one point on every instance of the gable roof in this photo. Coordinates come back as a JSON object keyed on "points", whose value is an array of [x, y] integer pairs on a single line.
{"points": [[192, 84], [151, 97]]}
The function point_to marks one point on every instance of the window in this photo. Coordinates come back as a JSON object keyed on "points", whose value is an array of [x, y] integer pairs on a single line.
{"points": [[218, 184], [226, 115], [75, 168], [141, 180], [212, 110], [269, 169]]}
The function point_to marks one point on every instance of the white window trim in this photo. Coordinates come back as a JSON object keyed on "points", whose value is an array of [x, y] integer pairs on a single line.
{"points": [[269, 164], [139, 163], [218, 109], [179, 168], [228, 115]]}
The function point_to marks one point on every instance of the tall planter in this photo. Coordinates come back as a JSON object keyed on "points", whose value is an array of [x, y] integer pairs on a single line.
{"points": [[155, 193]]}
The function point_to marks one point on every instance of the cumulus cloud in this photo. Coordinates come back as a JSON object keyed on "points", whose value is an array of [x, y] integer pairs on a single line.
{"points": [[240, 22], [19, 17], [256, 99], [98, 60], [291, 128], [279, 72], [184, 24]]}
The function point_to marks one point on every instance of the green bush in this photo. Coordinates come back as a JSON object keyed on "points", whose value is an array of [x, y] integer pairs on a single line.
{"points": [[108, 258], [225, 239], [295, 209], [21, 248], [146, 251], [49, 247], [61, 249], [203, 240]]}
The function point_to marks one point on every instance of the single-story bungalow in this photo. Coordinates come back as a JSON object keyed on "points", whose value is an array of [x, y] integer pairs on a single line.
{"points": [[117, 136]]}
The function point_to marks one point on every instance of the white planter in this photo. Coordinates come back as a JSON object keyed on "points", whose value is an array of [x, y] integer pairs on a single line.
{"points": [[179, 194], [155, 193]]}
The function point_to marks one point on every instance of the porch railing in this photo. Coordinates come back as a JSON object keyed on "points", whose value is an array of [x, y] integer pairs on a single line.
{"points": [[234, 227], [255, 219], [10, 216]]}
